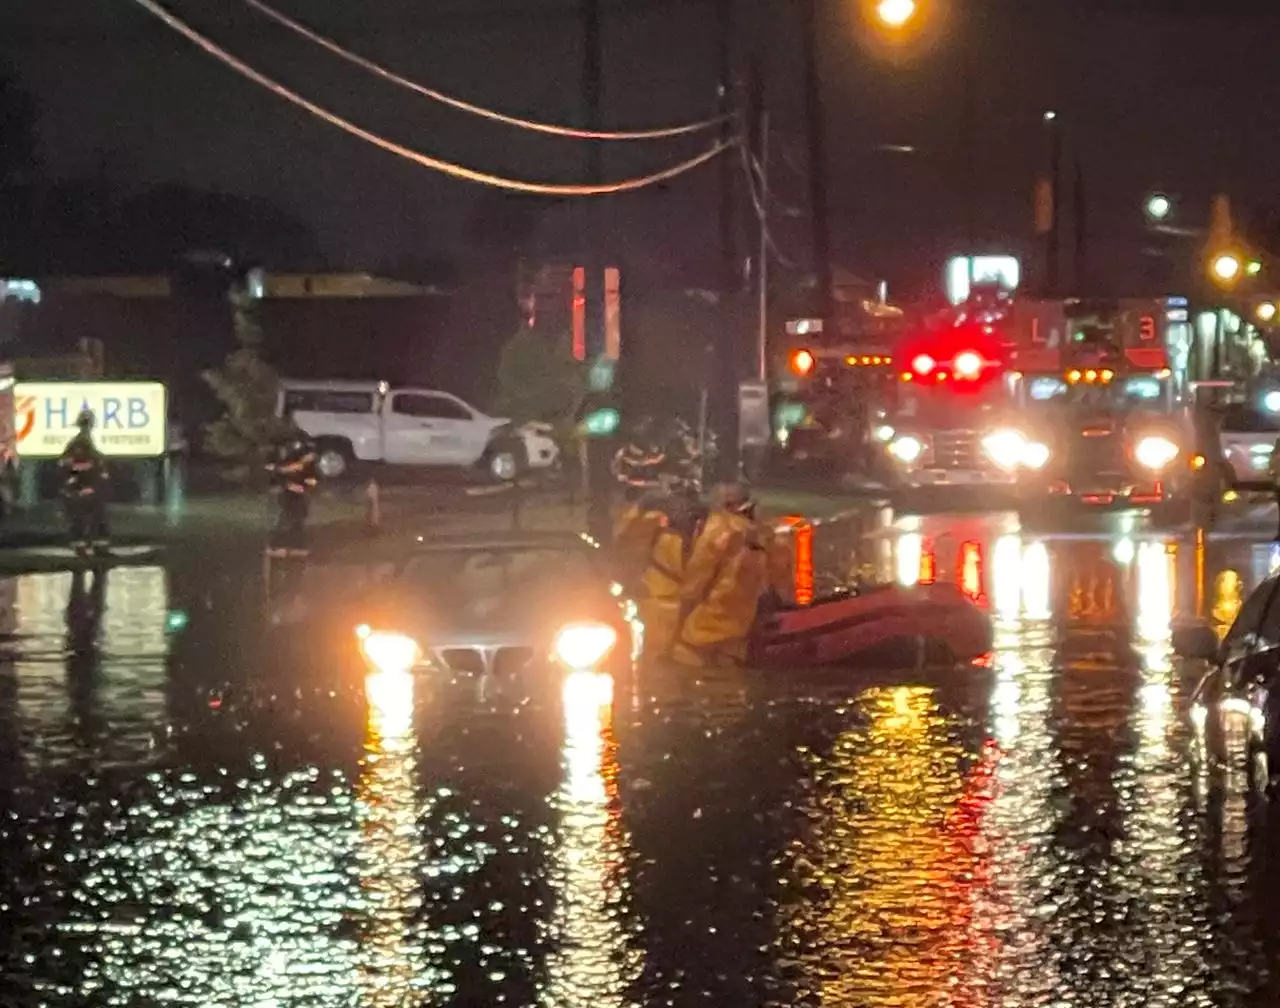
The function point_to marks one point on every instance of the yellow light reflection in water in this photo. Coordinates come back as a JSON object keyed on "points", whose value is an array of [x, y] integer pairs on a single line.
{"points": [[1157, 566], [91, 667], [910, 558], [391, 854], [1037, 582], [880, 889], [1228, 597], [1006, 577], [1017, 827], [1158, 864], [594, 962]]}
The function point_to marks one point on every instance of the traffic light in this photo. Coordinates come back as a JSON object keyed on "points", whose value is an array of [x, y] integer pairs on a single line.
{"points": [[599, 416]]}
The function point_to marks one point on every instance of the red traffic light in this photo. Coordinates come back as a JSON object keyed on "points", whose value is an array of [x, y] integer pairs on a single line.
{"points": [[802, 362]]}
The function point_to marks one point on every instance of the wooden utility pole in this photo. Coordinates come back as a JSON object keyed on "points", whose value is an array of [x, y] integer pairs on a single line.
{"points": [[815, 121], [599, 452], [1053, 240]]}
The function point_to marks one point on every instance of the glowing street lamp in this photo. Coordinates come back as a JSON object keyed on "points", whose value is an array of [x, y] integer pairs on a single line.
{"points": [[1158, 208], [1226, 268], [895, 13], [1266, 312]]}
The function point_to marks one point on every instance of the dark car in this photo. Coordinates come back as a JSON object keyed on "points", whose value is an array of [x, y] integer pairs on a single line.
{"points": [[504, 605], [1240, 692]]}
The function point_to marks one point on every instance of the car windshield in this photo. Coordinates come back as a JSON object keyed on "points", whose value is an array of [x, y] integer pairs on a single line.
{"points": [[1142, 394], [468, 575]]}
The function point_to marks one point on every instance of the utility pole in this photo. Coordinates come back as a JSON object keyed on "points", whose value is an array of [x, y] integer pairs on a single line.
{"points": [[1082, 232], [1053, 239], [815, 118], [599, 450], [729, 369], [762, 263], [728, 206]]}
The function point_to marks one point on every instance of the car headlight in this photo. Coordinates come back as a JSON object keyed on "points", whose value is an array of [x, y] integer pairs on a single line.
{"points": [[1005, 448], [1155, 452], [1035, 455], [884, 433], [387, 651], [584, 645], [907, 449]]}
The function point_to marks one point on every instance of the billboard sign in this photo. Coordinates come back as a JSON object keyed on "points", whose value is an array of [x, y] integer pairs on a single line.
{"points": [[129, 417]]}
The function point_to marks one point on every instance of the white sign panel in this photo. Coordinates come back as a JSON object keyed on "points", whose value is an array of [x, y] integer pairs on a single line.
{"points": [[129, 417]]}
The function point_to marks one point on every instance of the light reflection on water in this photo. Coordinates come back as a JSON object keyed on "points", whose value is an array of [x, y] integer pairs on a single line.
{"points": [[88, 653], [1023, 835]]}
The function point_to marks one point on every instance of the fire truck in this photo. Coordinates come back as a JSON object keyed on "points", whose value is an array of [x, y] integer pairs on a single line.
{"points": [[955, 403], [835, 390], [1106, 396]]}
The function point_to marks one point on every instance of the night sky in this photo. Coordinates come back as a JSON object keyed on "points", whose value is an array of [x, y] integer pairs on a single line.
{"points": [[1152, 93]]}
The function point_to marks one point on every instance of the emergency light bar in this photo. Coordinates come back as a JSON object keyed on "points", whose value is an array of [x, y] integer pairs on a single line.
{"points": [[1090, 376], [868, 360]]}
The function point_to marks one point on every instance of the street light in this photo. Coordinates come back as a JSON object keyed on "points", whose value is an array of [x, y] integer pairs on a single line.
{"points": [[895, 13], [1266, 312], [1158, 207], [1226, 268]]}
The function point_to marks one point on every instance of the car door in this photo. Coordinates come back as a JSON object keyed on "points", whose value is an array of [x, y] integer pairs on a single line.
{"points": [[428, 428], [1248, 437]]}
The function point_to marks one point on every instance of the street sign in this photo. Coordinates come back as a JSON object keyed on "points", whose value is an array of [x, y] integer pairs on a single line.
{"points": [[130, 420]]}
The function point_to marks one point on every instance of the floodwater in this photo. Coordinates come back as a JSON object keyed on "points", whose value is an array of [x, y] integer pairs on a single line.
{"points": [[187, 820]]}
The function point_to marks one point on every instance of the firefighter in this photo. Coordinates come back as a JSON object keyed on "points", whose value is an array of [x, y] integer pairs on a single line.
{"points": [[663, 579], [725, 580], [293, 477], [84, 477], [639, 462], [633, 536]]}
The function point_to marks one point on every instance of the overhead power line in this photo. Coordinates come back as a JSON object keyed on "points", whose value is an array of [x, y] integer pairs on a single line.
{"points": [[660, 133], [425, 160]]}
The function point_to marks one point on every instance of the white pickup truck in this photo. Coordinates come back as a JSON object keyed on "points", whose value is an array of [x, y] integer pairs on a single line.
{"points": [[377, 422]]}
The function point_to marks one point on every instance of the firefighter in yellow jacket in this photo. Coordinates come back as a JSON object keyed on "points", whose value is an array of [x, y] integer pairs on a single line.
{"points": [[663, 580], [634, 535], [727, 576]]}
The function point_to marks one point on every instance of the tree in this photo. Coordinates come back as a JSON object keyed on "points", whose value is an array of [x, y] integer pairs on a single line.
{"points": [[538, 379], [247, 386]]}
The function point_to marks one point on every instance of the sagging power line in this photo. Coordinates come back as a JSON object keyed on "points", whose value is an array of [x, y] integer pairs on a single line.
{"points": [[552, 129], [425, 160]]}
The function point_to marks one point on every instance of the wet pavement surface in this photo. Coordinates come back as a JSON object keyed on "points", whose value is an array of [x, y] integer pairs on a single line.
{"points": [[188, 819]]}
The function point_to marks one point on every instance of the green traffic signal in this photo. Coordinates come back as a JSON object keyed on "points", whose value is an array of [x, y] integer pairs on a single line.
{"points": [[602, 422]]}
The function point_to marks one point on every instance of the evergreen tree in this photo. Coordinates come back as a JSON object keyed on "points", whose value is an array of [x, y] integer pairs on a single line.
{"points": [[247, 386]]}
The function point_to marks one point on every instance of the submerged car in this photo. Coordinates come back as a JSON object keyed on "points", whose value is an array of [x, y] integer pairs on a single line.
{"points": [[514, 604]]}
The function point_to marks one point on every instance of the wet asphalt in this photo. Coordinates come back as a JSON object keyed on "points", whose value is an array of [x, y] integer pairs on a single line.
{"points": [[187, 817]]}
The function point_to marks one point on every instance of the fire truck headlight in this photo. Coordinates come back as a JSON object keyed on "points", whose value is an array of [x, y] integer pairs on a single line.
{"points": [[1035, 455], [1005, 448], [1155, 452], [968, 364], [907, 449]]}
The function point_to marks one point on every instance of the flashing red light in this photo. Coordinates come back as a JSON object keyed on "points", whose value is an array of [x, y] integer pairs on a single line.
{"points": [[802, 362], [923, 364], [968, 364]]}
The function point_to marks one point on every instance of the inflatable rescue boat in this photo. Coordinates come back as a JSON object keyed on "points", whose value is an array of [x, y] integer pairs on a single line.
{"points": [[929, 618]]}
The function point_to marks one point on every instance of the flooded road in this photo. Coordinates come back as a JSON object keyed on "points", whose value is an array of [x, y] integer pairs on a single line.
{"points": [[188, 820]]}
